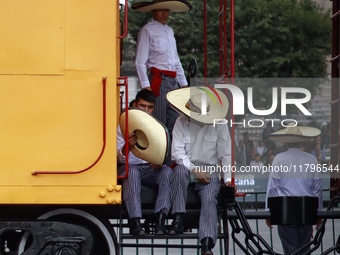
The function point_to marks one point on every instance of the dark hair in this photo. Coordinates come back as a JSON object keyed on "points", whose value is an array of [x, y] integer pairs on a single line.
{"points": [[146, 95], [294, 144], [132, 103]]}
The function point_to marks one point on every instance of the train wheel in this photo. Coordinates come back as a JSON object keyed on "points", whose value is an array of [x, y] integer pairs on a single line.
{"points": [[104, 238]]}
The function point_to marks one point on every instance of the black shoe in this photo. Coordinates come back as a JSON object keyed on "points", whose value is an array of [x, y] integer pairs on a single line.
{"points": [[177, 225], [207, 245], [136, 228], [160, 224]]}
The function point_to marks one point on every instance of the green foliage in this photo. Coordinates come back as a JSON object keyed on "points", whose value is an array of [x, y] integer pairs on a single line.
{"points": [[278, 38], [136, 21], [281, 39], [273, 38]]}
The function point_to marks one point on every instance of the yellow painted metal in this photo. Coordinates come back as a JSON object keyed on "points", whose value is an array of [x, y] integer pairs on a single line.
{"points": [[52, 60], [76, 194], [32, 36]]}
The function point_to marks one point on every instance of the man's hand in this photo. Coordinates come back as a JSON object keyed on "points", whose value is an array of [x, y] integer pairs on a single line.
{"points": [[155, 167], [230, 185], [131, 142], [268, 223], [203, 177], [318, 223]]}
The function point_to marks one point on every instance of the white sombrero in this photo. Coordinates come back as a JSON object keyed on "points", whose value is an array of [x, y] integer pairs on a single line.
{"points": [[203, 104], [153, 138], [294, 134], [172, 5]]}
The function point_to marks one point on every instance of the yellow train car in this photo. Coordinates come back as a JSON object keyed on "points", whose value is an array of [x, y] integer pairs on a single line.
{"points": [[59, 105]]}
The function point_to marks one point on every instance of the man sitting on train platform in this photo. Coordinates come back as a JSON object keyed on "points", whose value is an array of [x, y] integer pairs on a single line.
{"points": [[143, 173], [200, 149]]}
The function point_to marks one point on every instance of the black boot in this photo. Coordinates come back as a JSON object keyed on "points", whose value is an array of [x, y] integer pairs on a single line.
{"points": [[207, 245], [136, 228], [160, 224], [177, 225]]}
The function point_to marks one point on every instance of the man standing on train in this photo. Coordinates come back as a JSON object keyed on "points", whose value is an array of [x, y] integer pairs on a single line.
{"points": [[157, 62]]}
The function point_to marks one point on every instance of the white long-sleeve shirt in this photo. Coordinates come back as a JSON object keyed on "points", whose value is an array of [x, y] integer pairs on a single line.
{"points": [[294, 176], [193, 145], [156, 47], [133, 160]]}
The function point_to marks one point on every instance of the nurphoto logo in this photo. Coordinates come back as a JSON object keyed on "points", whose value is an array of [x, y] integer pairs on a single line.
{"points": [[280, 96]]}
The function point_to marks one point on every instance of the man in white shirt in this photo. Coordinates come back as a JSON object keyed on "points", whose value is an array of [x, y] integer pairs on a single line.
{"points": [[143, 173], [157, 63], [256, 164], [293, 176], [202, 150]]}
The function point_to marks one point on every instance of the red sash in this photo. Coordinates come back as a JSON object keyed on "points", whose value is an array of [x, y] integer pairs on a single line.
{"points": [[157, 78]]}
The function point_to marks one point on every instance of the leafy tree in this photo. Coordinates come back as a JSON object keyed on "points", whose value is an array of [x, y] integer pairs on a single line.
{"points": [[276, 38], [281, 39], [273, 39]]}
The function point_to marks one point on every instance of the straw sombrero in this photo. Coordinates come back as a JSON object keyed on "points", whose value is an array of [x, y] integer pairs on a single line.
{"points": [[172, 5], [153, 138], [294, 134], [202, 103]]}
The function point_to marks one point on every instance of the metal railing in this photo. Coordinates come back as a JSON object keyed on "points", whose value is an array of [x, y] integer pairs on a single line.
{"points": [[250, 203]]}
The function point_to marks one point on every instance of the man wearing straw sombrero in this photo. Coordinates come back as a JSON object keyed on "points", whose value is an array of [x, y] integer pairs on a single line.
{"points": [[198, 148], [147, 149], [157, 63], [300, 181]]}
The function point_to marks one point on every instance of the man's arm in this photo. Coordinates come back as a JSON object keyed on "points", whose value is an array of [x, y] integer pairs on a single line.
{"points": [[121, 150], [120, 145], [178, 153], [317, 189], [180, 76], [271, 191], [224, 151], [142, 55]]}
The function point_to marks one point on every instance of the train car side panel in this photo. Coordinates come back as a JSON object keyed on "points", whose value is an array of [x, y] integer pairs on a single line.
{"points": [[58, 102]]}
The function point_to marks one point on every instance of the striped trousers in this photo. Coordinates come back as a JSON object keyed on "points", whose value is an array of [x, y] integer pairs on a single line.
{"points": [[140, 175], [163, 111], [294, 237], [208, 222]]}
